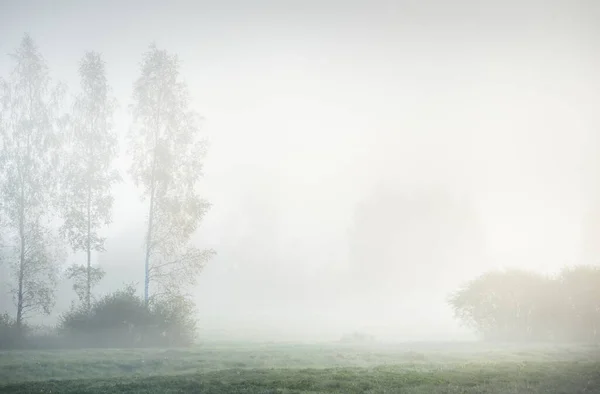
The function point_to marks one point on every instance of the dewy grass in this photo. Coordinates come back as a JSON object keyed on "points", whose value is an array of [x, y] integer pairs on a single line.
{"points": [[305, 369], [548, 377]]}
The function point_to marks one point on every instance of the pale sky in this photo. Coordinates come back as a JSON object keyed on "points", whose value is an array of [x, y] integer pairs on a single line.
{"points": [[310, 106]]}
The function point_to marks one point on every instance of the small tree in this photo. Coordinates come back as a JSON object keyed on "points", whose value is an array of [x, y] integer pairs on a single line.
{"points": [[167, 163], [29, 156], [87, 201]]}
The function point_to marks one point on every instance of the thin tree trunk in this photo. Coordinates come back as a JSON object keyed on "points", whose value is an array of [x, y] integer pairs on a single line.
{"points": [[149, 233], [148, 243], [88, 289], [20, 289], [151, 209]]}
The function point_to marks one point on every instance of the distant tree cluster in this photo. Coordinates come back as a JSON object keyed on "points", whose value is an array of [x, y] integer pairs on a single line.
{"points": [[517, 305], [57, 155]]}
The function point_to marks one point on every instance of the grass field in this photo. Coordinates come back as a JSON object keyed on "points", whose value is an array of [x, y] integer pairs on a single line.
{"points": [[303, 368]]}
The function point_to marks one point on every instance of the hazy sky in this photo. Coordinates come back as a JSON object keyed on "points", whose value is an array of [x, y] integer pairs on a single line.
{"points": [[311, 106]]}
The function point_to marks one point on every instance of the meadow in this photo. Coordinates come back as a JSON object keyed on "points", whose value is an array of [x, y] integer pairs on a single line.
{"points": [[307, 368]]}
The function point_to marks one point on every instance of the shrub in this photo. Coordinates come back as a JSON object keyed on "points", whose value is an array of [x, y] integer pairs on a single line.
{"points": [[580, 287], [519, 305], [121, 319], [10, 337], [172, 321]]}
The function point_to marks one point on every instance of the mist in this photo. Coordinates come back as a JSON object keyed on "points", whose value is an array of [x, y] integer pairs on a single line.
{"points": [[364, 159]]}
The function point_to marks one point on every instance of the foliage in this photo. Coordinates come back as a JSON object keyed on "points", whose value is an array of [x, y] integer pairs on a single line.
{"points": [[30, 135], [520, 305], [173, 319], [49, 161], [86, 199], [167, 158], [580, 305], [121, 319], [10, 335], [84, 278]]}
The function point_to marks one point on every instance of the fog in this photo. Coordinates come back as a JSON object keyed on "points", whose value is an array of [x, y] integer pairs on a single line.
{"points": [[365, 158]]}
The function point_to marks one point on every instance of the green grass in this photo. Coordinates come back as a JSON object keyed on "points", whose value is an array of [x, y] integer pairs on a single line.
{"points": [[333, 368]]}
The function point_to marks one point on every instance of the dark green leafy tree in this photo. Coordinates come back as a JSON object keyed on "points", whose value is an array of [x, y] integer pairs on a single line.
{"points": [[167, 154], [88, 176], [30, 135]]}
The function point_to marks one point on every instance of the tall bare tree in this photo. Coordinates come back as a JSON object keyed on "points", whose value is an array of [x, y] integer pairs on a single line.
{"points": [[30, 135], [86, 203], [167, 154]]}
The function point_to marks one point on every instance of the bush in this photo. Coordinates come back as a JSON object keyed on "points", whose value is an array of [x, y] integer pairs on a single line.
{"points": [[121, 319], [519, 305], [172, 320], [580, 306], [10, 337]]}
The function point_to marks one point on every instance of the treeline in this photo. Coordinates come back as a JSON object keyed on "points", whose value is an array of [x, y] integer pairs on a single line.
{"points": [[517, 305], [57, 169]]}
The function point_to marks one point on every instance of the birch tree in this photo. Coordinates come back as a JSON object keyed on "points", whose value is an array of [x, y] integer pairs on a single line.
{"points": [[167, 154], [30, 140], [86, 203]]}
